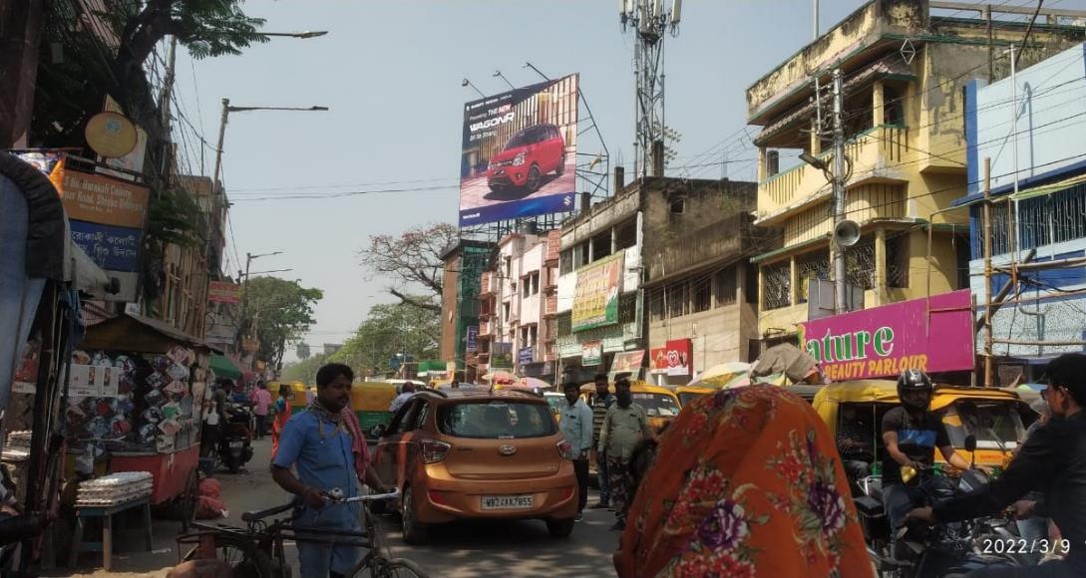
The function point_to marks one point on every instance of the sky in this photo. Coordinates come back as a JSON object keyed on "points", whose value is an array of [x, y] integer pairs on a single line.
{"points": [[390, 73]]}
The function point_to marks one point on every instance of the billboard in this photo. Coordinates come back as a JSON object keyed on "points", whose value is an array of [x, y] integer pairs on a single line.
{"points": [[591, 353], [223, 292], [595, 299], [526, 355], [627, 362], [519, 153], [931, 334], [674, 359], [501, 355]]}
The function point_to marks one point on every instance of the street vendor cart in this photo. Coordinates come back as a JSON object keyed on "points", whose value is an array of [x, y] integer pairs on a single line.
{"points": [[140, 384]]}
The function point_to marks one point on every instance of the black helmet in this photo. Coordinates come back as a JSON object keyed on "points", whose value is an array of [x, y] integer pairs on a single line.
{"points": [[914, 380]]}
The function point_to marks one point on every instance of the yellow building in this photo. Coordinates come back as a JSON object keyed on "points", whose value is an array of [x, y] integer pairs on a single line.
{"points": [[904, 64]]}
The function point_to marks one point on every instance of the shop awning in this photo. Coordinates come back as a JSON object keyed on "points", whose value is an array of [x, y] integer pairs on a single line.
{"points": [[224, 367]]}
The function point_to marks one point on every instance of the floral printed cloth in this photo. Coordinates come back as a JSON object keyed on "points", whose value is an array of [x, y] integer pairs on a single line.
{"points": [[746, 483]]}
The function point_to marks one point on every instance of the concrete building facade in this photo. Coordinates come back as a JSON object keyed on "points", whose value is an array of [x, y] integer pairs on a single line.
{"points": [[904, 71]]}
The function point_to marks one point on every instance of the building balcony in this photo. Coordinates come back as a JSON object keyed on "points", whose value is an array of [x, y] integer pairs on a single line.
{"points": [[488, 284], [881, 154], [486, 328], [550, 305]]}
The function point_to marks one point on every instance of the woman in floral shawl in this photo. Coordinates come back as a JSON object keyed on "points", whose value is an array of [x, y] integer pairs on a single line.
{"points": [[751, 486]]}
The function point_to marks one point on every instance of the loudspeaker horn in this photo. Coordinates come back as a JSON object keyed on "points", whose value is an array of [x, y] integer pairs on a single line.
{"points": [[846, 233]]}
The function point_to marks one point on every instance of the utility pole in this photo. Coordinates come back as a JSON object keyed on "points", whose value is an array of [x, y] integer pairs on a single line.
{"points": [[840, 282], [814, 22], [987, 209]]}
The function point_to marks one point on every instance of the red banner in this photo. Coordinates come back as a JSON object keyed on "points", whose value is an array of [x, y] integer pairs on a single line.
{"points": [[675, 358]]}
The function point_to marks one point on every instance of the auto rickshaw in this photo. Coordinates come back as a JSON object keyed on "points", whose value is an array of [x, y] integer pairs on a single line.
{"points": [[556, 401], [853, 412], [370, 401], [660, 403]]}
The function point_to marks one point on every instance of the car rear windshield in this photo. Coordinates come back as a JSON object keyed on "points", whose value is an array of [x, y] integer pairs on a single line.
{"points": [[657, 404], [496, 419]]}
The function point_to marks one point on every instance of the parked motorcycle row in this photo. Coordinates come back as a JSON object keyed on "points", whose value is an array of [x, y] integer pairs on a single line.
{"points": [[945, 550]]}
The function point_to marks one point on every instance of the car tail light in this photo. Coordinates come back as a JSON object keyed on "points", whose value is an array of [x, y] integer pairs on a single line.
{"points": [[568, 493], [437, 497], [565, 449], [434, 451]]}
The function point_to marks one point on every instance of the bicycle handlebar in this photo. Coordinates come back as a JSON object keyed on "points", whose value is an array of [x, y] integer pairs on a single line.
{"points": [[250, 517], [395, 493]]}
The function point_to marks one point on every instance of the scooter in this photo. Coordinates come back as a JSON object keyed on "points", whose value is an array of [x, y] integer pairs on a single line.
{"points": [[235, 443]]}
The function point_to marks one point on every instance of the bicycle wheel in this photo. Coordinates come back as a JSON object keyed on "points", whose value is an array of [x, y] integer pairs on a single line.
{"points": [[244, 559], [378, 567]]}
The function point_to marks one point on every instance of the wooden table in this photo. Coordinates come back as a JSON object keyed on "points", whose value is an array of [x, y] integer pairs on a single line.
{"points": [[106, 513]]}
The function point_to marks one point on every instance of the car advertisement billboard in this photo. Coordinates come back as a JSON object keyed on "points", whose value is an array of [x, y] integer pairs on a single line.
{"points": [[519, 153]]}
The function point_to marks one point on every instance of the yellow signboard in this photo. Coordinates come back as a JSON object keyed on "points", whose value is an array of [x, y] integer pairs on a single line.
{"points": [[103, 200], [595, 301]]}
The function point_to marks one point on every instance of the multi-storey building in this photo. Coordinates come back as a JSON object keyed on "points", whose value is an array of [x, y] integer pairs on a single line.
{"points": [[463, 268], [1036, 229], [516, 329], [905, 64]]}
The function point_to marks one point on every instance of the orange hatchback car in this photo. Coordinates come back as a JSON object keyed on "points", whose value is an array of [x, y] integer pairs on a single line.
{"points": [[478, 454]]}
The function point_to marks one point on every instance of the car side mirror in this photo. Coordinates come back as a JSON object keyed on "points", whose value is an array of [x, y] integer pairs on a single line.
{"points": [[970, 443]]}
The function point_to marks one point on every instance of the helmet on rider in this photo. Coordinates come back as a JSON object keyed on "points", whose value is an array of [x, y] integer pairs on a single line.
{"points": [[914, 389]]}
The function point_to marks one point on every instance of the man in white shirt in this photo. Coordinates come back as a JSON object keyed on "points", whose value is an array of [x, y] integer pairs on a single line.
{"points": [[405, 394]]}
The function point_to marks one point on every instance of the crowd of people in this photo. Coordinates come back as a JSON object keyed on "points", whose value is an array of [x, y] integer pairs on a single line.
{"points": [[748, 470]]}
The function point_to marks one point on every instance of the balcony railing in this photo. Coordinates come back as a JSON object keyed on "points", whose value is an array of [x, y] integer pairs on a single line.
{"points": [[879, 153], [550, 306], [486, 284]]}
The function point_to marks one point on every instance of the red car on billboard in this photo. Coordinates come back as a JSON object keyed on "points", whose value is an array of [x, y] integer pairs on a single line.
{"points": [[529, 155]]}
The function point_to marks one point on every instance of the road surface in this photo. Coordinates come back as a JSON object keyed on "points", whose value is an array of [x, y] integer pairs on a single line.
{"points": [[470, 549]]}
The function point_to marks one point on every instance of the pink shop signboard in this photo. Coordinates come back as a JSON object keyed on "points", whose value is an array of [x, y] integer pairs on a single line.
{"points": [[933, 334]]}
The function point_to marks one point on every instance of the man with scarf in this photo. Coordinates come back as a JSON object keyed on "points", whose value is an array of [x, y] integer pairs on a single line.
{"points": [[626, 424], [326, 447]]}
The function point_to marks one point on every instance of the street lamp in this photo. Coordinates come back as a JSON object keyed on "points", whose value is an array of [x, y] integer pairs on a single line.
{"points": [[498, 74], [306, 34], [249, 258], [465, 82], [813, 161]]}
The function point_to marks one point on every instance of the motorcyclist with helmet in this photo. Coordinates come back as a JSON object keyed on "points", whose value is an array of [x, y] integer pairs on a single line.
{"points": [[911, 432]]}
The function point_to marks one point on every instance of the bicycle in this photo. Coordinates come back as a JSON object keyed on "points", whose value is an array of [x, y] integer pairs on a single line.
{"points": [[256, 551]]}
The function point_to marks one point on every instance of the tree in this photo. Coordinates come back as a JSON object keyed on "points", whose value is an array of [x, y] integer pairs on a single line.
{"points": [[303, 351], [72, 90], [390, 330], [277, 313], [304, 371], [414, 260]]}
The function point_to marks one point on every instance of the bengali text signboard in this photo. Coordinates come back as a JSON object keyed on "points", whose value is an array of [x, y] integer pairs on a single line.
{"points": [[595, 300]]}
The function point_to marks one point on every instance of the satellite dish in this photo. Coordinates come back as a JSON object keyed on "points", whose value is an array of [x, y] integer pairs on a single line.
{"points": [[110, 134], [846, 233]]}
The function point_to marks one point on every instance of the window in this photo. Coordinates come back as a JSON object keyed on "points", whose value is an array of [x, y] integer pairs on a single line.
{"points": [[702, 291], [601, 245], [508, 267], [656, 304], [565, 262], [777, 285], [626, 235], [505, 312], [529, 336], [584, 253], [678, 205], [811, 267], [530, 284], [724, 285], [676, 300], [504, 419]]}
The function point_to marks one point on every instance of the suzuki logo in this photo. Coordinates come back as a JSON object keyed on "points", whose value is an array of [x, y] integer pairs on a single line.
{"points": [[507, 450]]}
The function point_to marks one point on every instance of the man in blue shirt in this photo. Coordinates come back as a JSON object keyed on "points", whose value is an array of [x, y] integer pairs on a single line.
{"points": [[326, 451], [576, 425]]}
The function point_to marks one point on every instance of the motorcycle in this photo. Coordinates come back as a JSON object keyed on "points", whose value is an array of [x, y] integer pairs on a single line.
{"points": [[943, 551], [235, 442]]}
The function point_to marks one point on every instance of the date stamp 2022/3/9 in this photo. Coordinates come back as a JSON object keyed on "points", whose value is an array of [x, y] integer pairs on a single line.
{"points": [[1041, 546]]}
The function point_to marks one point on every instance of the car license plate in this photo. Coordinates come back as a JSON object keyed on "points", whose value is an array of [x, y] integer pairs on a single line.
{"points": [[236, 444], [508, 502]]}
